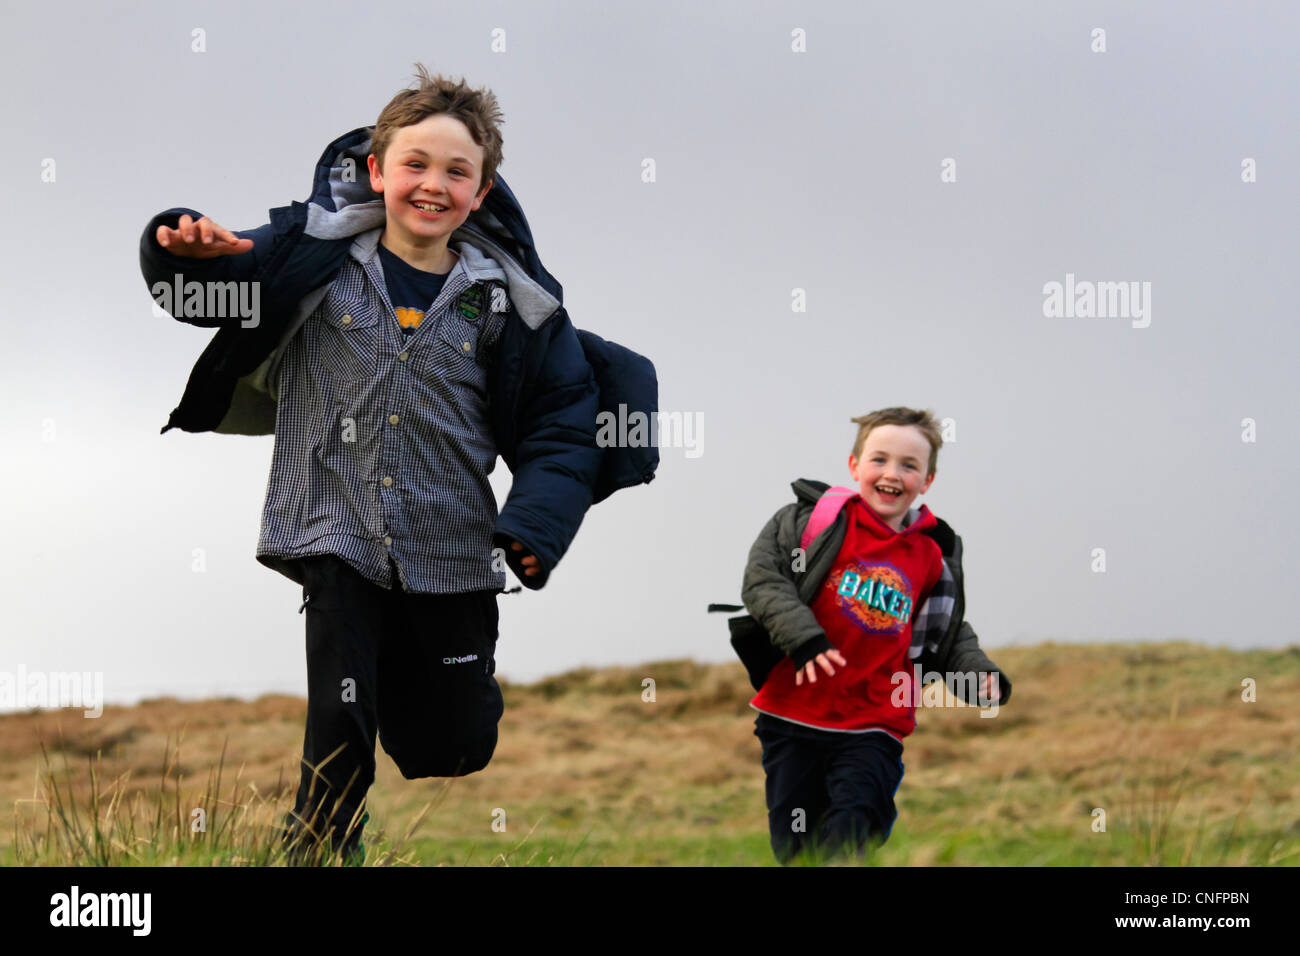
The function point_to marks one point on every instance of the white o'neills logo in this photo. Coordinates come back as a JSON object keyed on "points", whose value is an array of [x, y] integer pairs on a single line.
{"points": [[460, 660]]}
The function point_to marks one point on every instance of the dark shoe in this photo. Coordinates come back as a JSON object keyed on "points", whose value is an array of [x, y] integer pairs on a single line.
{"points": [[301, 849], [354, 853]]}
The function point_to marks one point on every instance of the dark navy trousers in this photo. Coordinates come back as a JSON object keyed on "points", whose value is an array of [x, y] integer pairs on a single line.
{"points": [[829, 791], [417, 669]]}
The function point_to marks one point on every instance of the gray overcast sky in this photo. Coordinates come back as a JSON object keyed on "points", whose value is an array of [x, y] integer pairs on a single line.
{"points": [[776, 171]]}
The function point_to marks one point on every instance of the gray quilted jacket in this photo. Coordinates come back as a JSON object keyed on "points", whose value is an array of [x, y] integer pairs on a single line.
{"points": [[778, 597]]}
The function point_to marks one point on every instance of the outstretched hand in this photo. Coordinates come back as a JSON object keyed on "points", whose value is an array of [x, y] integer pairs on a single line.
{"points": [[822, 660], [532, 566], [200, 240]]}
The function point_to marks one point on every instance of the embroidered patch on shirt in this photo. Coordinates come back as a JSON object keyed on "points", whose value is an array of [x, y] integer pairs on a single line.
{"points": [[876, 596], [470, 302]]}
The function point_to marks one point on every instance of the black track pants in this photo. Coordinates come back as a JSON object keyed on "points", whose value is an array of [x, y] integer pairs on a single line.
{"points": [[415, 668], [833, 791]]}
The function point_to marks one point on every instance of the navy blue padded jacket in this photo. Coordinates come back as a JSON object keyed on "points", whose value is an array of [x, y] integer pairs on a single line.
{"points": [[548, 381]]}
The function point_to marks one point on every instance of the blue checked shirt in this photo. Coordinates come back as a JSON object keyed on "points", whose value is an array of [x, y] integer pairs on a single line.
{"points": [[932, 620], [382, 439]]}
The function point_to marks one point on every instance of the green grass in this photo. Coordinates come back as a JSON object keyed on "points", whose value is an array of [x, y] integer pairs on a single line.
{"points": [[1156, 735], [101, 830]]}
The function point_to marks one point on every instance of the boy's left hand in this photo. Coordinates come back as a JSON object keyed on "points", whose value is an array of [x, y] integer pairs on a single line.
{"points": [[989, 689], [532, 566]]}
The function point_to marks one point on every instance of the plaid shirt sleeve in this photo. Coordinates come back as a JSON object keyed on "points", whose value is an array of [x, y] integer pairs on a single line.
{"points": [[932, 620]]}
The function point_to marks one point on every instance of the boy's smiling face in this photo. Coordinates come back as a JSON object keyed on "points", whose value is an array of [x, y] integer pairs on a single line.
{"points": [[893, 457], [434, 162]]}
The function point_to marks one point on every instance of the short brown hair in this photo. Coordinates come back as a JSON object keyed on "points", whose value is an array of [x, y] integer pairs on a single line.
{"points": [[477, 109], [924, 420]]}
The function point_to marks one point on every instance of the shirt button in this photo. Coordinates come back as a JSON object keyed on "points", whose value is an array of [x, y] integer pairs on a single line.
{"points": [[346, 319], [387, 540], [466, 346], [392, 419], [388, 482], [401, 356]]}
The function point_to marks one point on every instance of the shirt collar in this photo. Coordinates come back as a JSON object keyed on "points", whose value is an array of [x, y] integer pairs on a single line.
{"points": [[477, 266], [916, 519]]}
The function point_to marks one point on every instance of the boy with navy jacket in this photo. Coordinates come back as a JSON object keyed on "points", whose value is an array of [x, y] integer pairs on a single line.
{"points": [[405, 334], [856, 584]]}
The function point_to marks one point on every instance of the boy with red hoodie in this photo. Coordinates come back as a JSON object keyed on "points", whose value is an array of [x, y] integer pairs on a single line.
{"points": [[856, 584]]}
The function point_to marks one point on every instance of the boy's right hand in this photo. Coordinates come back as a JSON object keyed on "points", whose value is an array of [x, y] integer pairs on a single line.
{"points": [[200, 240], [824, 661]]}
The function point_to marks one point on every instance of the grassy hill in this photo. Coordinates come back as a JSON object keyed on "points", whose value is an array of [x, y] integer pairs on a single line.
{"points": [[587, 772]]}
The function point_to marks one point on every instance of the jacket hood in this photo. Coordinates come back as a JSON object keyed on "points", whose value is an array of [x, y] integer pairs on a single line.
{"points": [[809, 490], [479, 267], [343, 205]]}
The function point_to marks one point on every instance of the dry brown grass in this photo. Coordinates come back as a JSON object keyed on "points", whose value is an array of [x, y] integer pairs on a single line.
{"points": [[1155, 734]]}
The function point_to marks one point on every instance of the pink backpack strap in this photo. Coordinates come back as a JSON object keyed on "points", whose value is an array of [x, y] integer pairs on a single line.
{"points": [[825, 512]]}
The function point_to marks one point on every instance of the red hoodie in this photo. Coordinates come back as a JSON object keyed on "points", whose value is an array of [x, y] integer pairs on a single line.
{"points": [[876, 583]]}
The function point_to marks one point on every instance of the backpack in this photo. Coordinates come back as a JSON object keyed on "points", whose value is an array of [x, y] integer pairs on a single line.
{"points": [[749, 639]]}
